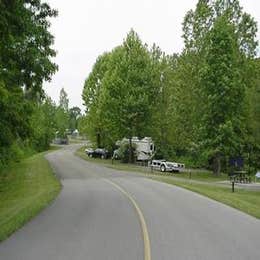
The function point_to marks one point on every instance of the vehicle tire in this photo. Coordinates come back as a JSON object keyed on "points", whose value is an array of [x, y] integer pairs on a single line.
{"points": [[90, 155], [163, 168]]}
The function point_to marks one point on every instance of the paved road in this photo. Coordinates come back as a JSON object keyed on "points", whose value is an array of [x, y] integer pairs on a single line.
{"points": [[92, 219]]}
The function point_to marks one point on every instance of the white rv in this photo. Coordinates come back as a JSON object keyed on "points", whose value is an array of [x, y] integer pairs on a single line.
{"points": [[144, 147]]}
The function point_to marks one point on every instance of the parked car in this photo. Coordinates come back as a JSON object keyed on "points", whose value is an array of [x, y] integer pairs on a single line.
{"points": [[164, 166], [97, 153]]}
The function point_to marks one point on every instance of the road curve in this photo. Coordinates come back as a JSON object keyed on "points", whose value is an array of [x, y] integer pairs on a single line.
{"points": [[92, 219]]}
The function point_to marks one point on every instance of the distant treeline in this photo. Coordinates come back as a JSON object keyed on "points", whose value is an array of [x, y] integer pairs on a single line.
{"points": [[201, 106]]}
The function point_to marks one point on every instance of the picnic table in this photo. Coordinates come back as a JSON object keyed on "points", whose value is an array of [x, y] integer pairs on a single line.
{"points": [[240, 177]]}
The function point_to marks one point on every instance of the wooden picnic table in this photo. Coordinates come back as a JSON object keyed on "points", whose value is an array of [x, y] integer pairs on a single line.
{"points": [[240, 177]]}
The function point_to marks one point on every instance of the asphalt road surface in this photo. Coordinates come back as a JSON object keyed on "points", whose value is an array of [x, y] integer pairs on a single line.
{"points": [[97, 219]]}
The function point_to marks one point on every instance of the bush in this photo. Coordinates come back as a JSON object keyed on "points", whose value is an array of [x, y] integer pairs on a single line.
{"points": [[124, 152]]}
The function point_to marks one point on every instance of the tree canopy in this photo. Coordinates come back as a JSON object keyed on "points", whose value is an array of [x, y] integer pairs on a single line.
{"points": [[199, 106]]}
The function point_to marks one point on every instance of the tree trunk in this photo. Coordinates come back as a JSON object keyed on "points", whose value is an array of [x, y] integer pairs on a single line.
{"points": [[216, 165], [98, 140], [131, 160]]}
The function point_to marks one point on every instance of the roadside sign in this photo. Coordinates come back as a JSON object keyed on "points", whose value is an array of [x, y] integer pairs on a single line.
{"points": [[236, 162]]}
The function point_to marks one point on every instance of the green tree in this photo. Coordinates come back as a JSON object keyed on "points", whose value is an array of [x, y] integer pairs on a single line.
{"points": [[225, 92], [62, 115], [26, 44], [128, 92], [222, 76], [161, 123], [43, 124], [74, 115], [94, 119], [64, 100], [25, 62]]}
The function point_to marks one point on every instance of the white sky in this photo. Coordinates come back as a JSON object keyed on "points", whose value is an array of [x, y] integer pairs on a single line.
{"points": [[85, 29]]}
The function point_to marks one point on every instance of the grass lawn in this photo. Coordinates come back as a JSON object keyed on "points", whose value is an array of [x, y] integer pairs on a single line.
{"points": [[117, 165], [26, 188], [206, 176], [244, 200]]}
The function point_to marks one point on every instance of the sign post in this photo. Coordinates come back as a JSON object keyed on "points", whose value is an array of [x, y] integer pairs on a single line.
{"points": [[233, 185]]}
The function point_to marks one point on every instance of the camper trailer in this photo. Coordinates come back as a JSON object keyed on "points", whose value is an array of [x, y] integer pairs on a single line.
{"points": [[144, 147]]}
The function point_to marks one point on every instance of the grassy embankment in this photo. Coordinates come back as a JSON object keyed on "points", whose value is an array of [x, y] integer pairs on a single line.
{"points": [[244, 200], [201, 182], [26, 187]]}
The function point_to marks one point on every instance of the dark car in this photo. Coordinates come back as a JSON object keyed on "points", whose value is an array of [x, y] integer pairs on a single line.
{"points": [[98, 153]]}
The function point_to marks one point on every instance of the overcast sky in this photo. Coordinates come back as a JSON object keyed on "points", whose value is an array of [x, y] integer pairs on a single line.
{"points": [[85, 29]]}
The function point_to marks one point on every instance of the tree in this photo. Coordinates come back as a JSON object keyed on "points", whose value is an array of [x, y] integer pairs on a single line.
{"points": [[62, 114], [223, 75], [199, 22], [74, 115], [162, 78], [25, 62], [225, 92], [94, 119], [14, 122], [64, 101], [43, 124], [26, 44], [128, 92]]}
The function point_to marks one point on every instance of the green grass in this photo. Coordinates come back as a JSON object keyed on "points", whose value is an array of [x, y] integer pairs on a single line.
{"points": [[200, 175], [117, 165], [244, 200], [26, 188]]}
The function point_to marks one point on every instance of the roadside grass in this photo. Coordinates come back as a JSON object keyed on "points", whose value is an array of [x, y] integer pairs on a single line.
{"points": [[243, 200], [198, 175], [201, 175], [117, 165], [26, 188]]}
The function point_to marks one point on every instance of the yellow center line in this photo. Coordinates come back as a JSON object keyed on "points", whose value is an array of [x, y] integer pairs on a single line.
{"points": [[147, 247]]}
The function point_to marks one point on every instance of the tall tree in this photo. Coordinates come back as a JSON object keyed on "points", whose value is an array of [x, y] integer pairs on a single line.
{"points": [[43, 124], [74, 114], [26, 44], [94, 119], [64, 100], [128, 90], [222, 74], [224, 91], [62, 114], [25, 62]]}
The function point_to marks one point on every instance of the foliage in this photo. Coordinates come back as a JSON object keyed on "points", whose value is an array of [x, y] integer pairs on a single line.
{"points": [[25, 62], [124, 152], [200, 106], [223, 38], [26, 44], [74, 116], [64, 101], [224, 90], [43, 125]]}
